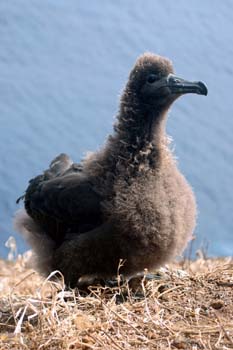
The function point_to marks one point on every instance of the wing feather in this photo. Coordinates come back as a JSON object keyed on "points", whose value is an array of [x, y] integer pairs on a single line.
{"points": [[64, 204]]}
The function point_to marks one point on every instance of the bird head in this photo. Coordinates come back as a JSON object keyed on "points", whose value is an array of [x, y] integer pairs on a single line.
{"points": [[153, 82]]}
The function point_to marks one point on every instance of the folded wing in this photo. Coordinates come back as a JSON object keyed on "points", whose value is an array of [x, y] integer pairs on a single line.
{"points": [[63, 204]]}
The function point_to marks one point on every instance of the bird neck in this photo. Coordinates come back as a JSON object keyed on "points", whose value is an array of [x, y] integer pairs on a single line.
{"points": [[139, 137]]}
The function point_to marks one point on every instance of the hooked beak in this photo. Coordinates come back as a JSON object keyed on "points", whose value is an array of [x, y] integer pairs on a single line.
{"points": [[180, 86]]}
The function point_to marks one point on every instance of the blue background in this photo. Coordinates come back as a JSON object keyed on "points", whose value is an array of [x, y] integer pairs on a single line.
{"points": [[63, 65]]}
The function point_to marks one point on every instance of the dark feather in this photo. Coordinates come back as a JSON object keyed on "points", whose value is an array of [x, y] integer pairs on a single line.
{"points": [[64, 204]]}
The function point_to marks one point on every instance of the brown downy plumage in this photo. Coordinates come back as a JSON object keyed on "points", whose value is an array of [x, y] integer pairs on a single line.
{"points": [[127, 201]]}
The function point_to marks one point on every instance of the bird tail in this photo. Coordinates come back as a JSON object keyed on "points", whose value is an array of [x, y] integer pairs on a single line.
{"points": [[42, 245]]}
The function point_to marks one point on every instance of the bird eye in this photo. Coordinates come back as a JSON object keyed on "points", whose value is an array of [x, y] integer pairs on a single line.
{"points": [[152, 78]]}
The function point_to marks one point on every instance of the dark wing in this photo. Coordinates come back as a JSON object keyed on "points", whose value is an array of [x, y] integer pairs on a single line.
{"points": [[65, 204], [59, 166]]}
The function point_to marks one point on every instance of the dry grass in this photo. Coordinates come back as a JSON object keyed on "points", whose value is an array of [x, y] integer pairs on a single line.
{"points": [[188, 307]]}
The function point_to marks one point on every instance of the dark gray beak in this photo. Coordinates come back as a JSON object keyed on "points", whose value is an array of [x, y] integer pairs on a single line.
{"points": [[181, 86]]}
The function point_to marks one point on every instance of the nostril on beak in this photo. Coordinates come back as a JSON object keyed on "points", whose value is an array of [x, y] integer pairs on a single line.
{"points": [[172, 79]]}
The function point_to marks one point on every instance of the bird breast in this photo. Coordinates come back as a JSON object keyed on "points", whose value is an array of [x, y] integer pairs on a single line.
{"points": [[158, 209]]}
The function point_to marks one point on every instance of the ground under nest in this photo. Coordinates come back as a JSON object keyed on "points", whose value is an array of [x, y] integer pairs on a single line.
{"points": [[190, 306]]}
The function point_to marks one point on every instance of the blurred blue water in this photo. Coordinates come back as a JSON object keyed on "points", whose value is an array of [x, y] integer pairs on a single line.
{"points": [[63, 65]]}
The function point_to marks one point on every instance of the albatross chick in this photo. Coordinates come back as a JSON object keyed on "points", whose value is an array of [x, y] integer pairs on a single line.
{"points": [[127, 201]]}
